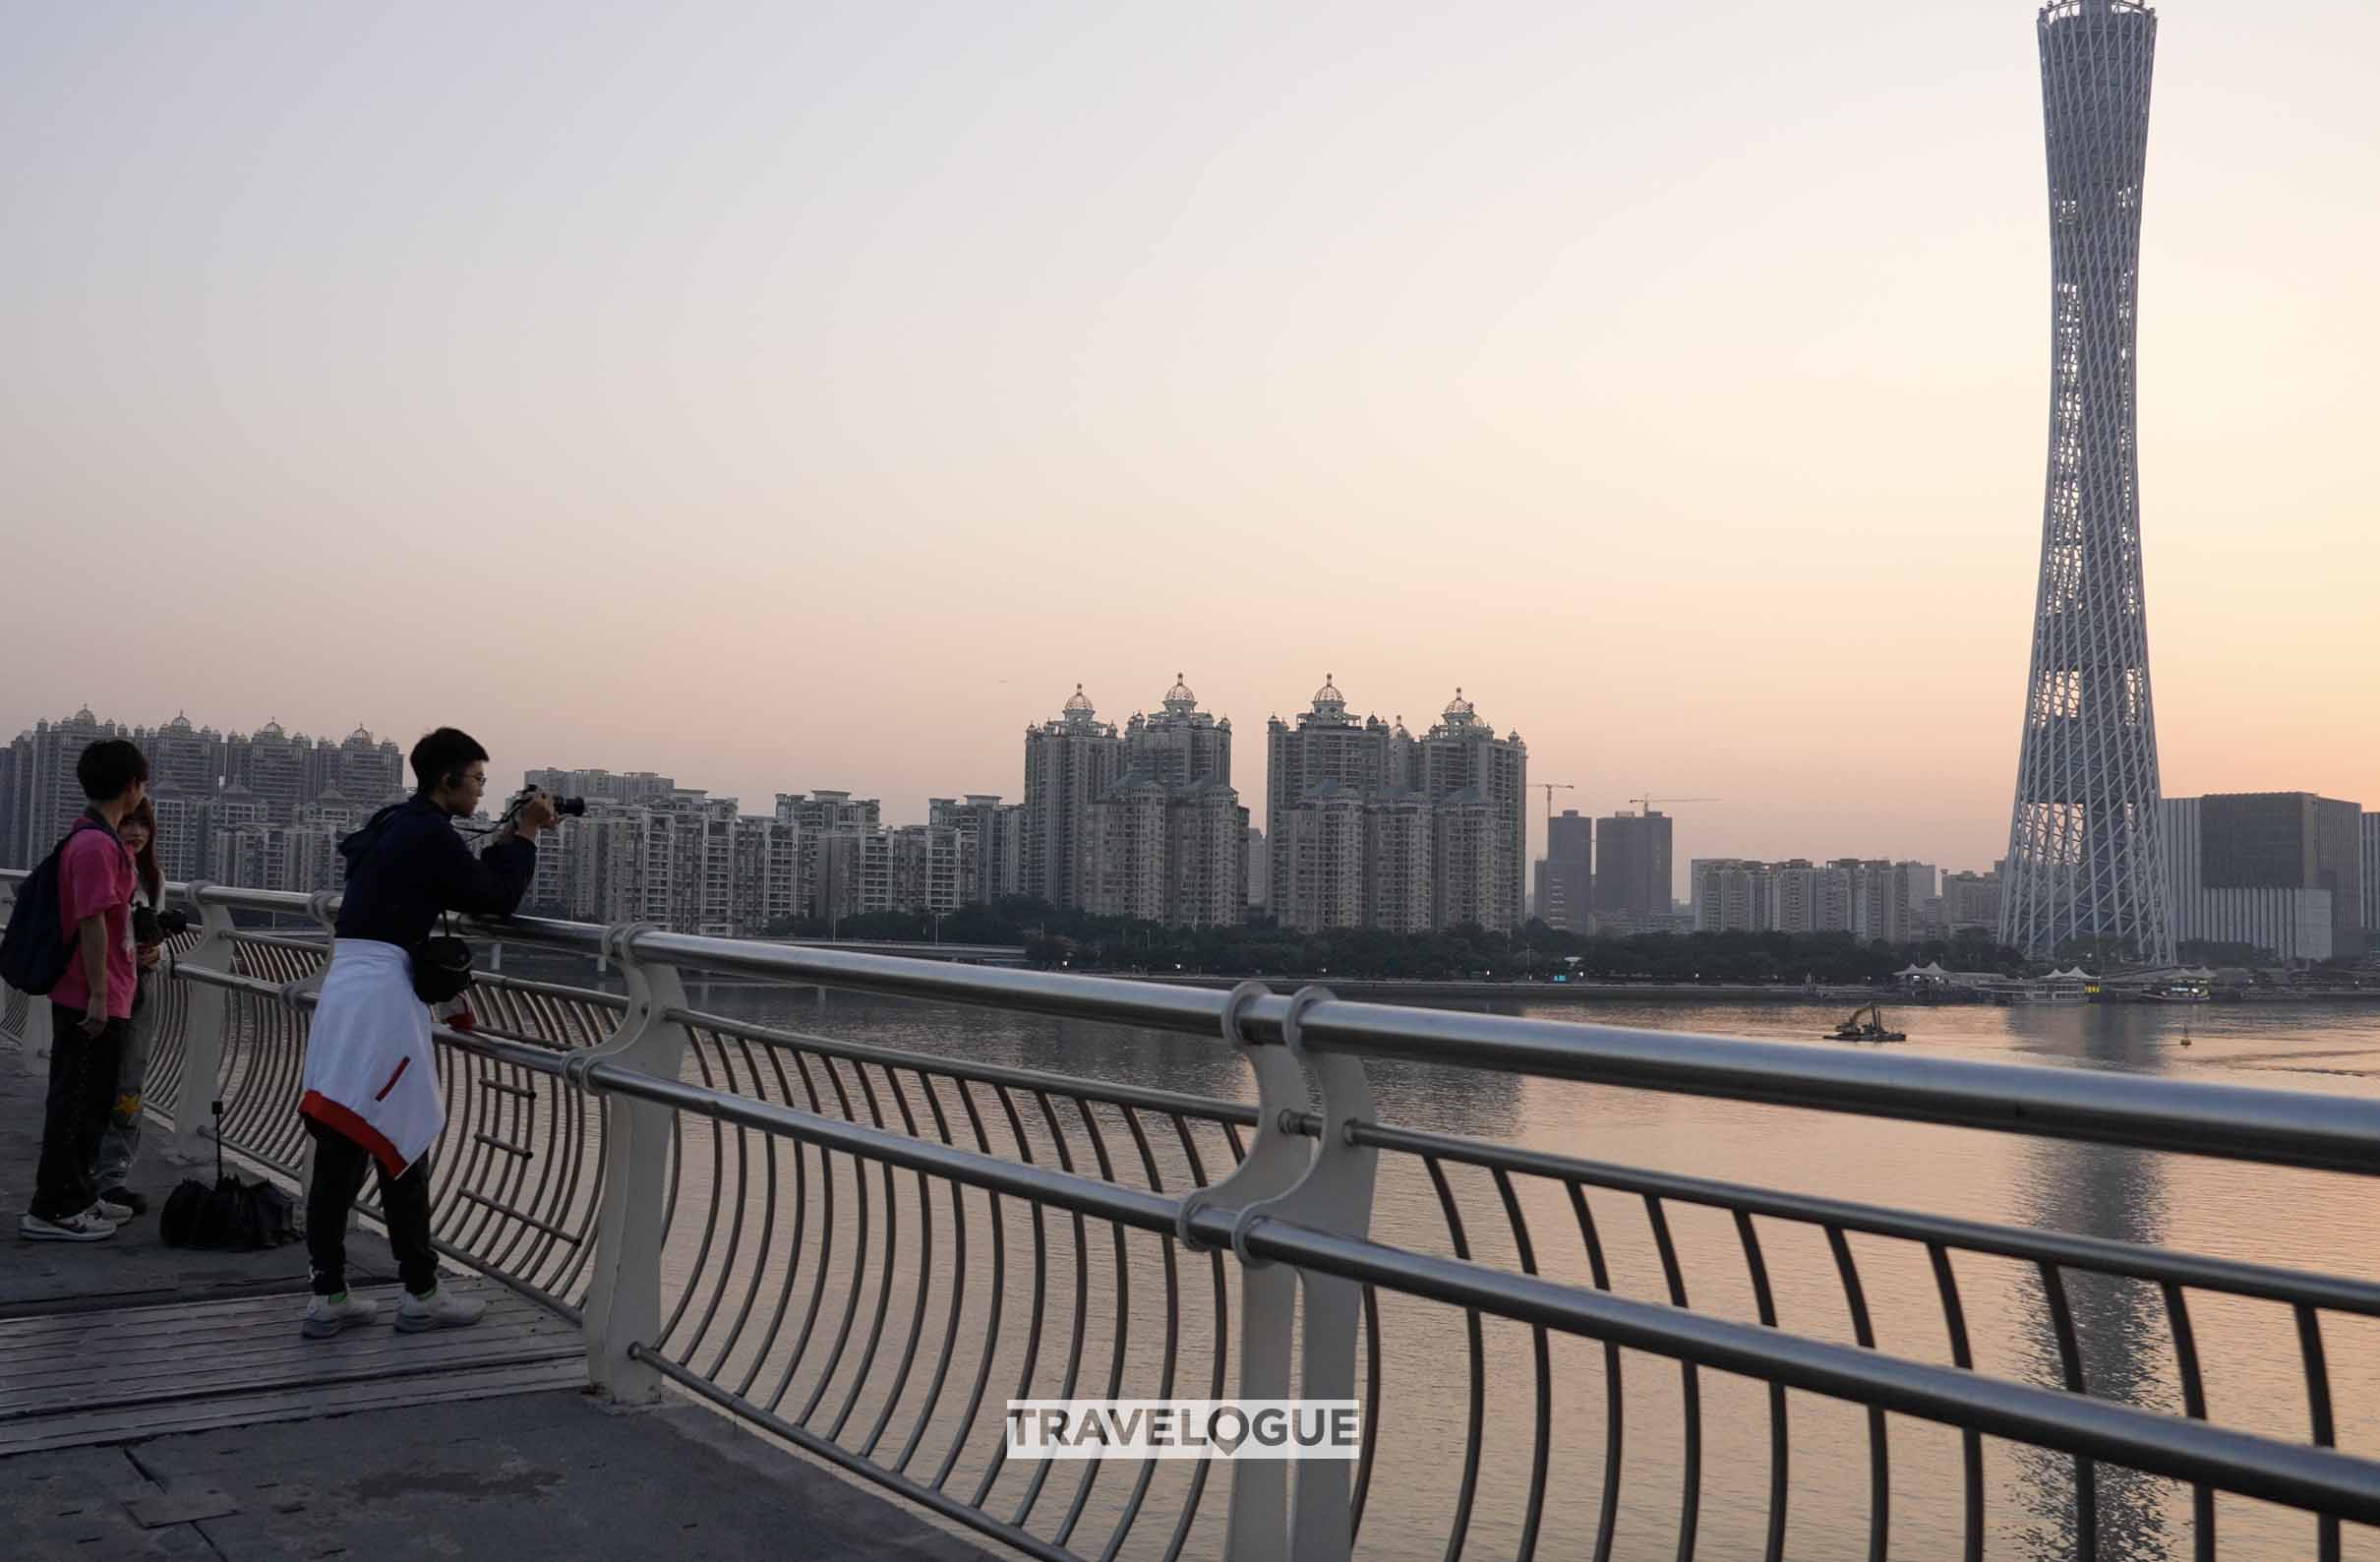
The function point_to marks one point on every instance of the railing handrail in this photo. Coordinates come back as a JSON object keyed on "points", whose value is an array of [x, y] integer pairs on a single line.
{"points": [[2274, 1127], [569, 1082], [2177, 1447]]}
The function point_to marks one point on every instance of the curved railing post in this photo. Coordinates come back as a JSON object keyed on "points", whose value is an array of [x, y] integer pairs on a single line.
{"points": [[203, 1042], [1336, 1196], [1329, 1189], [633, 1214]]}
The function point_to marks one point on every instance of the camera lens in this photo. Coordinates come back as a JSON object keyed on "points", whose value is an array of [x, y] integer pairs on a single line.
{"points": [[576, 808]]}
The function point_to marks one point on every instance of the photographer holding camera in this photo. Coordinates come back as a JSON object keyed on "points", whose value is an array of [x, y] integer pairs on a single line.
{"points": [[152, 926], [371, 1083]]}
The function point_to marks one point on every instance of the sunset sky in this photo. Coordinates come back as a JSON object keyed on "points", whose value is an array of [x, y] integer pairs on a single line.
{"points": [[788, 397]]}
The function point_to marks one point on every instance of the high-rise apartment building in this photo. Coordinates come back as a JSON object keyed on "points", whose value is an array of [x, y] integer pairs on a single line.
{"points": [[1370, 826], [1970, 901], [1069, 764], [993, 834], [1867, 898], [1326, 763], [1565, 878], [602, 786], [2084, 857], [1478, 785], [821, 815], [45, 799], [1168, 835], [1633, 862]]}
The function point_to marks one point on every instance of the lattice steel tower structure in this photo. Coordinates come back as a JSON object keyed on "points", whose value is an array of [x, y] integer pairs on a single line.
{"points": [[2084, 845]]}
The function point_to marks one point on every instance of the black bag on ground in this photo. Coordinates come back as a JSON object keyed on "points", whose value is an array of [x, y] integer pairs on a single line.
{"points": [[36, 949], [236, 1215]]}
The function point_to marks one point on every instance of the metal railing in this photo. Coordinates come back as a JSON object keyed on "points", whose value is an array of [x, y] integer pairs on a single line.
{"points": [[864, 1250]]}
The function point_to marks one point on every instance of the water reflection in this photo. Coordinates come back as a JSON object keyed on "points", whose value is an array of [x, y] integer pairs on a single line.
{"points": [[2122, 1341]]}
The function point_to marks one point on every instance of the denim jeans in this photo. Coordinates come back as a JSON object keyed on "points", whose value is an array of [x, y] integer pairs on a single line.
{"points": [[81, 1088], [120, 1140]]}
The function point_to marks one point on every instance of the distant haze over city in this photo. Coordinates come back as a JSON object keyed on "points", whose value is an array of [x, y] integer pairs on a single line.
{"points": [[807, 400]]}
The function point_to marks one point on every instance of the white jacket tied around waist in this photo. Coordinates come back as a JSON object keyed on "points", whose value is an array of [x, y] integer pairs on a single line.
{"points": [[369, 1073]]}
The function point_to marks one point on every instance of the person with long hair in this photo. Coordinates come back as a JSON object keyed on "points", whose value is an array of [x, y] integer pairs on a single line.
{"points": [[121, 1139]]}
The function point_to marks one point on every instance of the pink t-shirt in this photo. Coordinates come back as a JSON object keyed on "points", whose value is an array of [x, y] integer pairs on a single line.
{"points": [[95, 878]]}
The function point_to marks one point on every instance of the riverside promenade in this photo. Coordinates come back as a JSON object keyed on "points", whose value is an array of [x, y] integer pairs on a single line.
{"points": [[159, 1403]]}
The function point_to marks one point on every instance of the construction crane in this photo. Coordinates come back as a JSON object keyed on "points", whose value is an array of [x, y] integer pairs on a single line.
{"points": [[1549, 788], [1647, 803]]}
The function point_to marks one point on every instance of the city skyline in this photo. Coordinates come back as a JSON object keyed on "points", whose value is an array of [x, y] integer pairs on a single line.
{"points": [[1367, 336], [634, 782]]}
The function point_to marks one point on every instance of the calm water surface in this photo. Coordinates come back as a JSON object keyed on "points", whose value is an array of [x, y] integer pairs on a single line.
{"points": [[2250, 1350]]}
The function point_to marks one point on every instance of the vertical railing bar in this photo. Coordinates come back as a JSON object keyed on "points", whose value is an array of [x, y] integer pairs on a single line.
{"points": [[710, 1226], [2318, 1407], [1690, 1516], [1880, 1468], [2069, 1356], [1541, 1445], [1221, 1352], [1371, 1412], [957, 1293], [995, 1293], [1123, 1317], [793, 1247], [925, 1252], [826, 1250], [1607, 1519], [736, 1219], [1779, 1438], [892, 1240], [858, 1269], [768, 1221], [1173, 1325], [2194, 1406], [1082, 1304], [1970, 1442], [1476, 1428], [1040, 1294]]}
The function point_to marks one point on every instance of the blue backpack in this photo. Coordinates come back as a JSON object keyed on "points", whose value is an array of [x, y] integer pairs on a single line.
{"points": [[37, 947]]}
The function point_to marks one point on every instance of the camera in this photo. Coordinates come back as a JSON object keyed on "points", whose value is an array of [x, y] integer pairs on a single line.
{"points": [[152, 927], [573, 807]]}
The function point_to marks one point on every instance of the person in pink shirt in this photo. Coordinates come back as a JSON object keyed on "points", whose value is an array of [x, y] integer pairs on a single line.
{"points": [[90, 1007]]}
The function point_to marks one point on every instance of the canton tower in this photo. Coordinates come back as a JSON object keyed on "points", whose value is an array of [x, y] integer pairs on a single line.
{"points": [[2084, 842]]}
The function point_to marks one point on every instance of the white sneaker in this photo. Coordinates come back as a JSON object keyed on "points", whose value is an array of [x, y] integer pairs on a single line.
{"points": [[439, 1309], [113, 1213], [327, 1315], [88, 1227]]}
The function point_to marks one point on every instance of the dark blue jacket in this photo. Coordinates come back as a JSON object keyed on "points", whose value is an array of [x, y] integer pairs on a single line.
{"points": [[407, 865]]}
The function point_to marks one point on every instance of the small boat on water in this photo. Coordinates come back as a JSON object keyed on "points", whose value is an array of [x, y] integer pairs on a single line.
{"points": [[1865, 1025]]}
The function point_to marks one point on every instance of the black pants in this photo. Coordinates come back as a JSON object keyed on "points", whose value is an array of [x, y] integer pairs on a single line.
{"points": [[82, 1093], [340, 1164]]}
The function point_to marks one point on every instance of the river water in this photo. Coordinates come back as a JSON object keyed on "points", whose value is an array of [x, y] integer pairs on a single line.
{"points": [[2250, 1350]]}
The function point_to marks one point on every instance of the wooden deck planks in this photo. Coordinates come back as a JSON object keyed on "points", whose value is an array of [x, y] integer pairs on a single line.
{"points": [[123, 1374]]}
